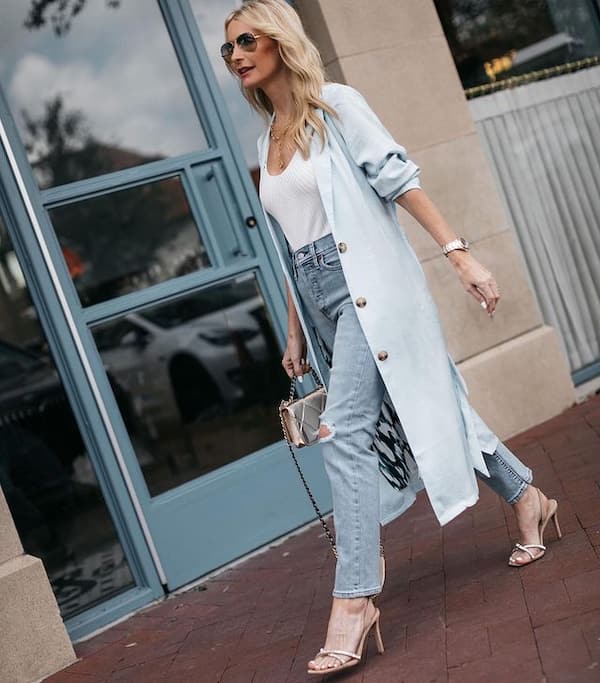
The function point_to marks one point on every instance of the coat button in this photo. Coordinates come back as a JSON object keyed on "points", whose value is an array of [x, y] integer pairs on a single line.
{"points": [[361, 302], [382, 355], [342, 246]]}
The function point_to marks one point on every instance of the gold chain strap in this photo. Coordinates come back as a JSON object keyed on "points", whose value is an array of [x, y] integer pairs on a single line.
{"points": [[328, 533], [308, 491]]}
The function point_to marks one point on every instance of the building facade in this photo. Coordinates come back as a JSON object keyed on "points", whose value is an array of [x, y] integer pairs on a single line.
{"points": [[143, 313]]}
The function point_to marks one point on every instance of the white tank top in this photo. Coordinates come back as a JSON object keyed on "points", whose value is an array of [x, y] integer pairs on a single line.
{"points": [[293, 199]]}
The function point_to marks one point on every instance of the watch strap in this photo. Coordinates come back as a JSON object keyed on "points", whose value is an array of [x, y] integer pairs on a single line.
{"points": [[460, 243]]}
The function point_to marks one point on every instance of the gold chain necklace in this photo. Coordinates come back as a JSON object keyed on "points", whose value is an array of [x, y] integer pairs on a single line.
{"points": [[277, 137]]}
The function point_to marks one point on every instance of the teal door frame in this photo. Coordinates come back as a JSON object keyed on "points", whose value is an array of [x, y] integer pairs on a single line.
{"points": [[262, 484], [18, 200]]}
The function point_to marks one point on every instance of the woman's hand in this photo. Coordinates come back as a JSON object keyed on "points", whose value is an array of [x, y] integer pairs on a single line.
{"points": [[476, 279], [294, 359]]}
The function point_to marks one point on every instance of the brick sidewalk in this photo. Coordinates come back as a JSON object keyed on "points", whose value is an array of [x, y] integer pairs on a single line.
{"points": [[452, 610]]}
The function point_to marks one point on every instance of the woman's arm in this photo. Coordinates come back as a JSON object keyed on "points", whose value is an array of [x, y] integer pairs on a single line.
{"points": [[294, 359], [476, 279], [396, 178]]}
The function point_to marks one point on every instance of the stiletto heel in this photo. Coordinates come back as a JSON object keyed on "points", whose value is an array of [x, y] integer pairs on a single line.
{"points": [[556, 525], [355, 657], [378, 638]]}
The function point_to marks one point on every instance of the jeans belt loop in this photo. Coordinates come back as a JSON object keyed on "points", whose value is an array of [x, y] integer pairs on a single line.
{"points": [[313, 253]]}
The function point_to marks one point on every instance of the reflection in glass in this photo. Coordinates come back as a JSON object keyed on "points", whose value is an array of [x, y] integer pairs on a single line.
{"points": [[495, 39], [94, 87], [45, 472], [128, 240], [248, 124], [203, 376]]}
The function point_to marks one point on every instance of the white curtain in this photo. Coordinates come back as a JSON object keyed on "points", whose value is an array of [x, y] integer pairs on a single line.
{"points": [[543, 139]]}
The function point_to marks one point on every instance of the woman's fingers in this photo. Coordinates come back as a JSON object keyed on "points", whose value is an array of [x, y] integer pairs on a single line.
{"points": [[288, 365], [302, 367], [487, 295], [295, 365], [479, 282], [298, 369], [491, 294]]}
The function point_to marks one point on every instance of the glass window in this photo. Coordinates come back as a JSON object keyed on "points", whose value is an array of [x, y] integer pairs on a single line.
{"points": [[210, 15], [202, 376], [128, 240], [45, 471], [492, 40], [94, 87]]}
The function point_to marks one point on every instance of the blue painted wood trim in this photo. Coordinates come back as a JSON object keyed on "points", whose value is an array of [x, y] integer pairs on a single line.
{"points": [[163, 292], [225, 136], [586, 373], [109, 611], [67, 361], [127, 177]]}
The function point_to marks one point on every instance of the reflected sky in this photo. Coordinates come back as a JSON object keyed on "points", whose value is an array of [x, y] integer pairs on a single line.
{"points": [[115, 65]]}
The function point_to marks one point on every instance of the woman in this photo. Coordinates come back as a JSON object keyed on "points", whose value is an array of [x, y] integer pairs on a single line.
{"points": [[358, 303]]}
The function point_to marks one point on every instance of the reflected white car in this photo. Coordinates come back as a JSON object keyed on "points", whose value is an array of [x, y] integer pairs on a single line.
{"points": [[177, 366]]}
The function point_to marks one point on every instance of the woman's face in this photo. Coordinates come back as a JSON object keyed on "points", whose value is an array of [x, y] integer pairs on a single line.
{"points": [[254, 69]]}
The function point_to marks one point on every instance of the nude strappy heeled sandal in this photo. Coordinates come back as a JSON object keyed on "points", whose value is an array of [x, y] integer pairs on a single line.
{"points": [[355, 657], [527, 547]]}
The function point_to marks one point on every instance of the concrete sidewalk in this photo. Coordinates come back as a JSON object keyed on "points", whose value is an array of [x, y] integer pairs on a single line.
{"points": [[451, 610]]}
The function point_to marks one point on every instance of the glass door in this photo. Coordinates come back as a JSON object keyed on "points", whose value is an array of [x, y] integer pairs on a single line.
{"points": [[151, 222]]}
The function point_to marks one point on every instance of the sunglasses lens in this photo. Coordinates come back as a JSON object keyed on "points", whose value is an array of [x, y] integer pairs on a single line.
{"points": [[246, 41], [226, 51]]}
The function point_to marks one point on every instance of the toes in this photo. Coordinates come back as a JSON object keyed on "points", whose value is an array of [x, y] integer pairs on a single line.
{"points": [[519, 557], [325, 663]]}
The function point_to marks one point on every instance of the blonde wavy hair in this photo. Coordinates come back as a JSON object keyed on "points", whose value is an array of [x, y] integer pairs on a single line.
{"points": [[279, 21]]}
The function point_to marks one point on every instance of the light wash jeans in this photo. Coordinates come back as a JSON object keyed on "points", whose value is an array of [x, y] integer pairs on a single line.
{"points": [[354, 395]]}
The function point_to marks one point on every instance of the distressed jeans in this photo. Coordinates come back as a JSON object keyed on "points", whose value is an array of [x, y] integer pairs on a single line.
{"points": [[354, 394]]}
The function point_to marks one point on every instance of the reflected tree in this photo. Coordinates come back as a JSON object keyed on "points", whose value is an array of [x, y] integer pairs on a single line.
{"points": [[59, 13], [61, 146], [109, 239]]}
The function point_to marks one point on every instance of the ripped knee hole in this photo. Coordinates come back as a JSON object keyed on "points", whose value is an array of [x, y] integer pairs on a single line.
{"points": [[325, 432]]}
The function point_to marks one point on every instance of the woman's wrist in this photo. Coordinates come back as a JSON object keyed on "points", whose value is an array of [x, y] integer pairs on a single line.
{"points": [[458, 256]]}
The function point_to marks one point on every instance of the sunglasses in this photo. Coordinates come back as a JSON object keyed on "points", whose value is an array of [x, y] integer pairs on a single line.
{"points": [[247, 41]]}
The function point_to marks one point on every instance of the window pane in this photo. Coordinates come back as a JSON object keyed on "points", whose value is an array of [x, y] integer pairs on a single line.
{"points": [[494, 39], [45, 471], [94, 87], [203, 378], [210, 15], [128, 240]]}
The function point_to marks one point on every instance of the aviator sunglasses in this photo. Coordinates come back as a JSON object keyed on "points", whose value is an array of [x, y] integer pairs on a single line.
{"points": [[247, 41]]}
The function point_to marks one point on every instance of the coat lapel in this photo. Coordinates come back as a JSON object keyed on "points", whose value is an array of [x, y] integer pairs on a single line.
{"points": [[321, 158]]}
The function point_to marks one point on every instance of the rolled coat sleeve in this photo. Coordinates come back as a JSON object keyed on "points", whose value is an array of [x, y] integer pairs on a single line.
{"points": [[384, 161]]}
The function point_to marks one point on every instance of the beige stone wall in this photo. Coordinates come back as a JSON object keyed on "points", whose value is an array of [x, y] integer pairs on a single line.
{"points": [[34, 640], [396, 54]]}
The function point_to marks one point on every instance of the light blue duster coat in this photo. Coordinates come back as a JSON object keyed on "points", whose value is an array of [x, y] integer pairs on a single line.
{"points": [[360, 172]]}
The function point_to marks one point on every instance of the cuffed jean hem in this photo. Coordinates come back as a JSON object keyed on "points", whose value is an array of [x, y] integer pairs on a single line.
{"points": [[509, 477], [358, 593], [516, 498]]}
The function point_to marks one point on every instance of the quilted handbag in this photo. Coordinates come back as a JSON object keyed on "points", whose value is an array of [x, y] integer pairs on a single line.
{"points": [[300, 417]]}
